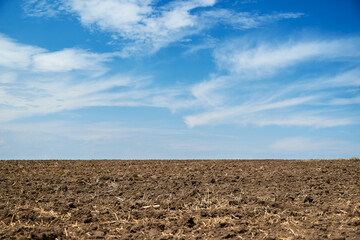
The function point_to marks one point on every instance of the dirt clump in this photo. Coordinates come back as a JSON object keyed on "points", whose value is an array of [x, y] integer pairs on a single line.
{"points": [[212, 199]]}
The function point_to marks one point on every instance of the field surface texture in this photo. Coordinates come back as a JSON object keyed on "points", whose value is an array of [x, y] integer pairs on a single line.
{"points": [[180, 199]]}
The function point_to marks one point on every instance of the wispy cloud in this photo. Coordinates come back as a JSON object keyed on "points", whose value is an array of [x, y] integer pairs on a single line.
{"points": [[208, 43], [209, 92], [264, 59], [298, 101], [349, 78], [245, 20], [17, 56], [69, 59], [40, 84], [43, 7], [343, 78], [230, 80], [242, 111], [14, 55], [35, 81], [43, 97], [147, 25]]}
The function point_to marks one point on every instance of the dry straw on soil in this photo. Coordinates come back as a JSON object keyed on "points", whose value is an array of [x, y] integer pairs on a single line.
{"points": [[180, 199]]}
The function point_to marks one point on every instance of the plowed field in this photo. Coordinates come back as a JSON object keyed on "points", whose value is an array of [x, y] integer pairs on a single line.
{"points": [[213, 199]]}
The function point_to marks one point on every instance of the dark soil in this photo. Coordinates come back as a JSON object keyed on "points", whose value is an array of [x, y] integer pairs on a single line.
{"points": [[180, 199]]}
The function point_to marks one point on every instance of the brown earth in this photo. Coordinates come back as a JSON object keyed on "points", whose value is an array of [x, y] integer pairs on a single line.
{"points": [[180, 199]]}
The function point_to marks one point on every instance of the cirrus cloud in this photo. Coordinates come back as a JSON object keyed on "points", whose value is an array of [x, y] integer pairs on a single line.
{"points": [[17, 56], [144, 27]]}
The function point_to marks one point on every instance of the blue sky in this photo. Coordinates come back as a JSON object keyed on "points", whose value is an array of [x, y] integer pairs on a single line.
{"points": [[140, 79]]}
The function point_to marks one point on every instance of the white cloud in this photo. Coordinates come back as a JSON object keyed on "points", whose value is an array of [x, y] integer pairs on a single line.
{"points": [[294, 101], [34, 81], [224, 98], [55, 92], [221, 115], [289, 111], [14, 55], [347, 78], [19, 56], [341, 79], [264, 59], [42, 7], [245, 20], [145, 26], [43, 97], [110, 14], [149, 27], [208, 43], [207, 92], [67, 60]]}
